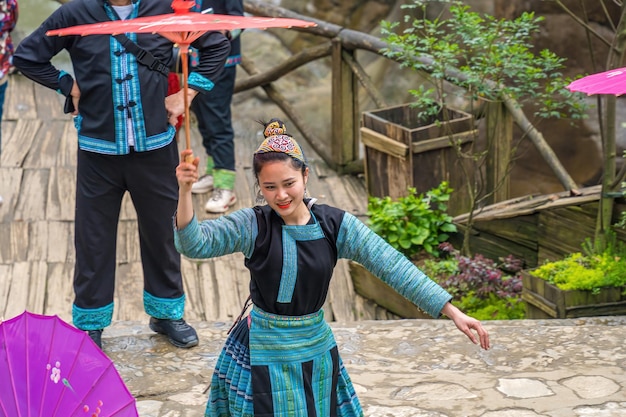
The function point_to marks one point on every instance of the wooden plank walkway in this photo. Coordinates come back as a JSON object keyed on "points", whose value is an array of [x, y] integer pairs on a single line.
{"points": [[37, 182]]}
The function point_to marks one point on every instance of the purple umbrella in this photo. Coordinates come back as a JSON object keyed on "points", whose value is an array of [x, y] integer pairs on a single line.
{"points": [[49, 368]]}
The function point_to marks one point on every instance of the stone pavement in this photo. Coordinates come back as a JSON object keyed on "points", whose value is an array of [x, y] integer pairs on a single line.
{"points": [[412, 368]]}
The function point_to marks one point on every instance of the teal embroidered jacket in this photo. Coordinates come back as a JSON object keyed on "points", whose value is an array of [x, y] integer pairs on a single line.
{"points": [[291, 266]]}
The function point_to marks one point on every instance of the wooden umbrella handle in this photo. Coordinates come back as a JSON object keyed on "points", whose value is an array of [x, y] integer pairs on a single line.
{"points": [[183, 56]]}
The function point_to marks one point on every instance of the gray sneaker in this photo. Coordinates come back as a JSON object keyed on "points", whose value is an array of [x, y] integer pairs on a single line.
{"points": [[203, 185], [1, 201], [220, 201]]}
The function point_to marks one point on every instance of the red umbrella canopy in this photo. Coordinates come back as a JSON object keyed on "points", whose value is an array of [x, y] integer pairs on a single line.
{"points": [[181, 27], [607, 82]]}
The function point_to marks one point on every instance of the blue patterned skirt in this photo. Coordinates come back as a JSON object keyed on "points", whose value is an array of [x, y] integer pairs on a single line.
{"points": [[279, 366]]}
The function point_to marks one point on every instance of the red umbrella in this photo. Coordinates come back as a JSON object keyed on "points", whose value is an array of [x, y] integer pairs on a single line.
{"points": [[181, 27], [608, 82], [49, 368]]}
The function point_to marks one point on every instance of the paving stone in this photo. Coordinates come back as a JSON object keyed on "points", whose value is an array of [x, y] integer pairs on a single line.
{"points": [[591, 386], [523, 388]]}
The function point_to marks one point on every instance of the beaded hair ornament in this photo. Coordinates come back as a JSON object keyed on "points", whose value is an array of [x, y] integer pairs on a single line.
{"points": [[277, 140]]}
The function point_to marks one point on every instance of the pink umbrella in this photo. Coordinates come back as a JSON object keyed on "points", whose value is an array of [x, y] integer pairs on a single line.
{"points": [[49, 368], [181, 27], [607, 82]]}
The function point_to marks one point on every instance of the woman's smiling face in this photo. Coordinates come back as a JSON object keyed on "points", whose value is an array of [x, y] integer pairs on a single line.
{"points": [[283, 187]]}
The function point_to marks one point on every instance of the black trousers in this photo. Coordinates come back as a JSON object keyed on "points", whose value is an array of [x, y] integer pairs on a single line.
{"points": [[213, 112], [102, 181]]}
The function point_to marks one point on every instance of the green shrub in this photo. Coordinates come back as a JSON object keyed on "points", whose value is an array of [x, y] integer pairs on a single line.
{"points": [[590, 269], [580, 271], [413, 223], [481, 287], [493, 307]]}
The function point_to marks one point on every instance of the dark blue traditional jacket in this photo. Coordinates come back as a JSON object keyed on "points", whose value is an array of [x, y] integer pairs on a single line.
{"points": [[114, 86]]}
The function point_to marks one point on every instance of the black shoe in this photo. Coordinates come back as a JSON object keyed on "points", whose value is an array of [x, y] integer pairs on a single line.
{"points": [[179, 333], [96, 336]]}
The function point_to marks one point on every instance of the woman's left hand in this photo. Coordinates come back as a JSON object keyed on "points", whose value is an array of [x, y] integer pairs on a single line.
{"points": [[467, 324]]}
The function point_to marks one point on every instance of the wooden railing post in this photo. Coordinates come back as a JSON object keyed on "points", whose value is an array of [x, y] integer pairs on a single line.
{"points": [[499, 142], [345, 109]]}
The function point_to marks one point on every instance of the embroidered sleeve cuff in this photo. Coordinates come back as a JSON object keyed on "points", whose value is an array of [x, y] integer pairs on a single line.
{"points": [[200, 83]]}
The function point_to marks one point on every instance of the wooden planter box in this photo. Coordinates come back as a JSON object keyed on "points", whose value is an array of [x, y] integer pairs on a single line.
{"points": [[374, 289], [546, 301], [402, 152]]}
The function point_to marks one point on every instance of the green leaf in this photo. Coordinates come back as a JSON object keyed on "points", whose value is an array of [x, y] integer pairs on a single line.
{"points": [[414, 222], [448, 227]]}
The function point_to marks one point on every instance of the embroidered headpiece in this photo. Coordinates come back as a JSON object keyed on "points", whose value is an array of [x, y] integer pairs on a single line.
{"points": [[277, 140]]}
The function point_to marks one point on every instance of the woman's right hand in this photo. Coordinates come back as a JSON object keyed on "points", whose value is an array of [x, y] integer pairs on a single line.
{"points": [[187, 172]]}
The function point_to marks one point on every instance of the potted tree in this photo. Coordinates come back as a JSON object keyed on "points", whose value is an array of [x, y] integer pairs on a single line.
{"points": [[487, 65]]}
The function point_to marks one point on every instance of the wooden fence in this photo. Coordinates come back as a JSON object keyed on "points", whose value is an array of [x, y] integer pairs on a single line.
{"points": [[538, 228]]}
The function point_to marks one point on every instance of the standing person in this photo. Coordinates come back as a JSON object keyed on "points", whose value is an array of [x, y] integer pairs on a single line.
{"points": [[215, 120], [8, 19], [282, 360], [126, 132]]}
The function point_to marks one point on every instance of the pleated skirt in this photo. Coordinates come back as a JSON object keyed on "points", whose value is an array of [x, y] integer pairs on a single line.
{"points": [[279, 366]]}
